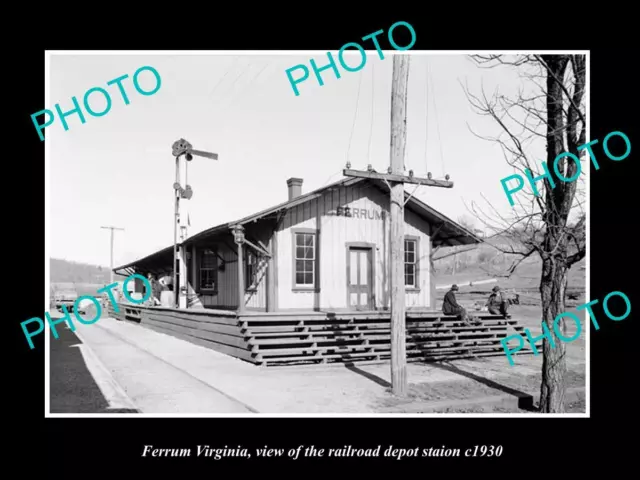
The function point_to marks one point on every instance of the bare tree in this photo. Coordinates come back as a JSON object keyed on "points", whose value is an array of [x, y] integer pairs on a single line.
{"points": [[548, 112], [467, 222], [459, 257]]}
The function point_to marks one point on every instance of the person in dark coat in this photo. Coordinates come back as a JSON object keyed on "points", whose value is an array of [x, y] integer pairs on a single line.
{"points": [[497, 304], [450, 306]]}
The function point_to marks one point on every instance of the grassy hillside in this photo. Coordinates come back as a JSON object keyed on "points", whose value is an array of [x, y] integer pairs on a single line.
{"points": [[486, 262], [84, 278]]}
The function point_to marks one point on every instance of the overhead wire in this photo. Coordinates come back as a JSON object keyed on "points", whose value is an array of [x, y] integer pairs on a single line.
{"points": [[221, 102], [406, 98], [226, 108], [235, 59], [406, 156], [330, 178], [426, 132], [253, 79], [244, 70], [355, 115], [373, 84], [435, 111]]}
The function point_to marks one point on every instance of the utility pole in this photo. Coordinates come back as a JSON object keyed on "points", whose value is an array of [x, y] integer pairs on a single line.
{"points": [[395, 179], [111, 266]]}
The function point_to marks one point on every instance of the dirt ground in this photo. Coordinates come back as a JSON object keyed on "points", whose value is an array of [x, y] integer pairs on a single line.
{"points": [[572, 407], [474, 385], [343, 389], [486, 377]]}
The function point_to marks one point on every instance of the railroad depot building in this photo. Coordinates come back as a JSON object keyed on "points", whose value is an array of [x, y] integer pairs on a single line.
{"points": [[327, 250], [312, 283]]}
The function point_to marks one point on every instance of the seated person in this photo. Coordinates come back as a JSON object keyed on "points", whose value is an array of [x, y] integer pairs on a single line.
{"points": [[451, 307], [497, 304]]}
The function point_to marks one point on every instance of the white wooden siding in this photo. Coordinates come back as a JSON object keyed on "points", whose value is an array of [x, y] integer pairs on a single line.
{"points": [[334, 232]]}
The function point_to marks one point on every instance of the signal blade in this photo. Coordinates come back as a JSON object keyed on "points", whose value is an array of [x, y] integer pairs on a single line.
{"points": [[199, 153]]}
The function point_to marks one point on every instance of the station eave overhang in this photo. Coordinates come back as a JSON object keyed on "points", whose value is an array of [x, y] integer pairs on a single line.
{"points": [[149, 264], [445, 232]]}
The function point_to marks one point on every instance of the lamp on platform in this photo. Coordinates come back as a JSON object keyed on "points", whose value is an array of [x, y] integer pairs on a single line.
{"points": [[238, 234]]}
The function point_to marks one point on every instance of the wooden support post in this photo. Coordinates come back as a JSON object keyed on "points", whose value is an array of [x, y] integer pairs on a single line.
{"points": [[194, 270], [240, 279], [432, 278], [183, 289], [238, 234], [271, 278]]}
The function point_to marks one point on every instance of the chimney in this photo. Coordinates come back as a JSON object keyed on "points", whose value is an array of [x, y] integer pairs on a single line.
{"points": [[295, 187]]}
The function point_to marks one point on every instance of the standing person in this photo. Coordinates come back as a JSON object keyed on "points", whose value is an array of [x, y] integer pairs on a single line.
{"points": [[450, 306], [166, 296], [497, 303], [155, 291]]}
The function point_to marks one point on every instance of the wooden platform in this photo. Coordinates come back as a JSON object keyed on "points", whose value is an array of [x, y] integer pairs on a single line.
{"points": [[320, 337]]}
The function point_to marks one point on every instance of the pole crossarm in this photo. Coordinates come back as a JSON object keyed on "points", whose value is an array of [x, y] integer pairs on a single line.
{"points": [[397, 178]]}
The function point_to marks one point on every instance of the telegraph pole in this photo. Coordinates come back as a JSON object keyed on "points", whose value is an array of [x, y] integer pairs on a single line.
{"points": [[111, 268], [395, 179], [399, 83]]}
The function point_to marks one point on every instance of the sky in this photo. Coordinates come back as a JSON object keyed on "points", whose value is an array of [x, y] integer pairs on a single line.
{"points": [[118, 169]]}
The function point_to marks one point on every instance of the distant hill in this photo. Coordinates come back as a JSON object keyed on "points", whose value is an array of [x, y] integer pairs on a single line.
{"points": [[82, 277], [485, 261]]}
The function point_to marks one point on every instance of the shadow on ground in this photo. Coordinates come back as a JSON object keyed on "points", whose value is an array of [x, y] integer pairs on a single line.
{"points": [[525, 400], [72, 387], [368, 375]]}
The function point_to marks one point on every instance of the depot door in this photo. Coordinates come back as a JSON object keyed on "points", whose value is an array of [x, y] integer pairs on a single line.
{"points": [[360, 278]]}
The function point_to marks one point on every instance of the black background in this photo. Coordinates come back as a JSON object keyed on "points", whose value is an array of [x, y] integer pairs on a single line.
{"points": [[90, 447]]}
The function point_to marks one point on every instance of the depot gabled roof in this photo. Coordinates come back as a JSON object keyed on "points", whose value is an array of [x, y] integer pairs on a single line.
{"points": [[448, 232]]}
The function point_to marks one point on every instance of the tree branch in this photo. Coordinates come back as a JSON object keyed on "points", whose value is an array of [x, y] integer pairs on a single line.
{"points": [[564, 88]]}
